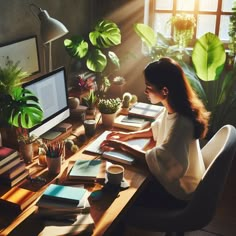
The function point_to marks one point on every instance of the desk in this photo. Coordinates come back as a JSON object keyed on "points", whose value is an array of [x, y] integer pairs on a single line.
{"points": [[106, 213]]}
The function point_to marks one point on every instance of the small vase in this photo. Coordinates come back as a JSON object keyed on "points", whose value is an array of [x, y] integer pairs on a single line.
{"points": [[54, 165], [26, 151], [108, 119]]}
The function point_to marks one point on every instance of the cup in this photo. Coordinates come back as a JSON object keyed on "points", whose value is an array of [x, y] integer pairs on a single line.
{"points": [[115, 174], [90, 127], [54, 165]]}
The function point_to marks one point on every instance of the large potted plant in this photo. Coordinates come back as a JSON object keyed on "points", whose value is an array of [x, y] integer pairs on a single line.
{"points": [[19, 108], [108, 108], [93, 53]]}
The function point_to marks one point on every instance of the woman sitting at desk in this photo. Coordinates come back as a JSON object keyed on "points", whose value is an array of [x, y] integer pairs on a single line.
{"points": [[176, 161]]}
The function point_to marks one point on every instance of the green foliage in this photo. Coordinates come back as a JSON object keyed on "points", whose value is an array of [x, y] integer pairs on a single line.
{"points": [[208, 73], [90, 100], [109, 106], [93, 52], [18, 106], [126, 100]]}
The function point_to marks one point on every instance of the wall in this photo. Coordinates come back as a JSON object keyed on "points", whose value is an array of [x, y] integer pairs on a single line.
{"points": [[18, 21]]}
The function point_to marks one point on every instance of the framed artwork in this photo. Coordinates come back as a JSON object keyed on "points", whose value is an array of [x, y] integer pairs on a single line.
{"points": [[24, 52]]}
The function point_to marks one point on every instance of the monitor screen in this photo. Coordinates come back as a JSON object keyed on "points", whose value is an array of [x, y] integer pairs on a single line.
{"points": [[51, 91]]}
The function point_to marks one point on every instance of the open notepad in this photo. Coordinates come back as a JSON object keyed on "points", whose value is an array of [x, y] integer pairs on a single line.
{"points": [[117, 156]]}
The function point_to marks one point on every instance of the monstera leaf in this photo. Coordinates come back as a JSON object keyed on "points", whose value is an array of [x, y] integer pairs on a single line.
{"points": [[76, 47], [96, 60], [105, 35], [209, 57], [24, 109]]}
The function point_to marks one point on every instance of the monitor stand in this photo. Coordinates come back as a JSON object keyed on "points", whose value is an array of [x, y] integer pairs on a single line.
{"points": [[51, 135]]}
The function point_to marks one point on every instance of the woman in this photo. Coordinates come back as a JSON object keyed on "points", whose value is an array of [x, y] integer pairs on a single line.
{"points": [[176, 161]]}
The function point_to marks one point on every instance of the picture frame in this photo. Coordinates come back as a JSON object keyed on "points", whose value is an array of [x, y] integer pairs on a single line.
{"points": [[23, 51]]}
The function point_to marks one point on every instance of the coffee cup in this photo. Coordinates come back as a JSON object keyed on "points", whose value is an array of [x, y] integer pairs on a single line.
{"points": [[90, 127], [115, 174]]}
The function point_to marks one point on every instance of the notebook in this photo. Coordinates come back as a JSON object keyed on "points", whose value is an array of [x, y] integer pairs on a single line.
{"points": [[117, 156]]}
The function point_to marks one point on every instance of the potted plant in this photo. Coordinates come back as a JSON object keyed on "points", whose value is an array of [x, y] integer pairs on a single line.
{"points": [[117, 87], [93, 52], [108, 108], [90, 101], [19, 108]]}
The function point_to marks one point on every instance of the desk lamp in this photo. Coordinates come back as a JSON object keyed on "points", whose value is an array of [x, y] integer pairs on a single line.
{"points": [[50, 30]]}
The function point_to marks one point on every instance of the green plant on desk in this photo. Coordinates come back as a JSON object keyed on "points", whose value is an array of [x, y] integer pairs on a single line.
{"points": [[109, 105]]}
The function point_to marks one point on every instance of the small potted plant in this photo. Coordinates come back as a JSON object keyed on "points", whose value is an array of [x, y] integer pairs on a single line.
{"points": [[108, 108], [90, 101]]}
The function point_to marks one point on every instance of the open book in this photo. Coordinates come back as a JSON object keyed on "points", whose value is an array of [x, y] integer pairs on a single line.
{"points": [[117, 156], [145, 110]]}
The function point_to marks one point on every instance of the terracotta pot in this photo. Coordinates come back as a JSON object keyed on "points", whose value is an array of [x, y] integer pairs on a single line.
{"points": [[108, 119], [26, 151]]}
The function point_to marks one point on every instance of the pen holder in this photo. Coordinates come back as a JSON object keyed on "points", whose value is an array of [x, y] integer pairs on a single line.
{"points": [[54, 165]]}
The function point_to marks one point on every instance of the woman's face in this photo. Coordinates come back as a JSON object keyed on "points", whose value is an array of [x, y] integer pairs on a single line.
{"points": [[154, 95]]}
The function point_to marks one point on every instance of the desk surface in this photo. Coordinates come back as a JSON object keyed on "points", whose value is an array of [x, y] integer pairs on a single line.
{"points": [[105, 212]]}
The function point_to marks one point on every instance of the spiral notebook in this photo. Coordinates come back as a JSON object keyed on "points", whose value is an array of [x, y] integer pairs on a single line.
{"points": [[117, 156]]}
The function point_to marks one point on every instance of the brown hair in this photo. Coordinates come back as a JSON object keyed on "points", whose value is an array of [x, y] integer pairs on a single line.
{"points": [[168, 73]]}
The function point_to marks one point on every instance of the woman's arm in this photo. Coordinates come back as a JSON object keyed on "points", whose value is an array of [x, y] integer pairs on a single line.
{"points": [[124, 136], [109, 145]]}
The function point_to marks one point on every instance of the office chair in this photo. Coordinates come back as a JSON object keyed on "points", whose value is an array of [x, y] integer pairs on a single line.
{"points": [[218, 154]]}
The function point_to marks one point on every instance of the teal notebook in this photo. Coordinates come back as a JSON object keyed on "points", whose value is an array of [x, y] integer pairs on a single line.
{"points": [[64, 193], [85, 170]]}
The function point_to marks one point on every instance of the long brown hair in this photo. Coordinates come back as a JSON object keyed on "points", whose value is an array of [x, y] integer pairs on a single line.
{"points": [[181, 97]]}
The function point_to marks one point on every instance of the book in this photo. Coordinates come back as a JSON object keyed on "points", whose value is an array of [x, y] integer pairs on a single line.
{"points": [[50, 207], [118, 156], [85, 170], [83, 223], [19, 198], [7, 154], [145, 110], [12, 182], [63, 193], [10, 164], [130, 123], [14, 171]]}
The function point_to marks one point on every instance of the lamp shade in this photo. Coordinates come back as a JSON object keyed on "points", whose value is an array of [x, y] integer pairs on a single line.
{"points": [[50, 29]]}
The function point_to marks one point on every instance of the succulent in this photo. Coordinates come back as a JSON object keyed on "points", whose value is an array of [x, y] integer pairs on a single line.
{"points": [[109, 105], [126, 100], [119, 80]]}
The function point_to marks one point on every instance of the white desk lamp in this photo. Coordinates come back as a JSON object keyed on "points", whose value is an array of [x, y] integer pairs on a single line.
{"points": [[50, 30]]}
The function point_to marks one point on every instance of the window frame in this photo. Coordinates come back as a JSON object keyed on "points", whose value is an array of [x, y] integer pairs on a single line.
{"points": [[149, 8]]}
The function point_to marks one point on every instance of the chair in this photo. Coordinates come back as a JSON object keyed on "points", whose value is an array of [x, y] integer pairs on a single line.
{"points": [[218, 154]]}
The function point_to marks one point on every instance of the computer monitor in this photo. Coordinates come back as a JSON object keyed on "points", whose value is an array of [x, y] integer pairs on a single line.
{"points": [[51, 90]]}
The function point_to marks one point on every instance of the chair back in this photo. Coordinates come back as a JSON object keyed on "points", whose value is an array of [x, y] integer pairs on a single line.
{"points": [[218, 154]]}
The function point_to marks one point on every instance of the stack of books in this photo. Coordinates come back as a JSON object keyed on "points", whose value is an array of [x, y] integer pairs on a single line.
{"points": [[12, 168], [58, 199], [65, 210]]}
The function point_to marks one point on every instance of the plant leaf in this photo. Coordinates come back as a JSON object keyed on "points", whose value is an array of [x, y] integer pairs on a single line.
{"points": [[114, 59], [208, 57], [96, 60], [146, 33]]}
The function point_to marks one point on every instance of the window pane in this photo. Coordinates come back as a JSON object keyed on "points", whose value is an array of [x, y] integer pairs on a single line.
{"points": [[161, 24], [224, 27], [205, 23], [164, 5], [185, 5], [227, 5], [208, 5]]}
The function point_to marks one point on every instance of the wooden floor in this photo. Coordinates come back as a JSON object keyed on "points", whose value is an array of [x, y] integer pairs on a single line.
{"points": [[224, 222]]}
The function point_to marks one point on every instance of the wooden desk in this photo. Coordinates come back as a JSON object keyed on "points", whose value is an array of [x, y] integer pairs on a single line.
{"points": [[105, 212]]}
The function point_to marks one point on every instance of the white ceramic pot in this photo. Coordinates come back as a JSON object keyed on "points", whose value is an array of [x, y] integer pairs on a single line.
{"points": [[108, 119]]}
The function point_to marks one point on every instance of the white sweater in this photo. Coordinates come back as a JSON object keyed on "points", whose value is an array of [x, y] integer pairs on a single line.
{"points": [[176, 160]]}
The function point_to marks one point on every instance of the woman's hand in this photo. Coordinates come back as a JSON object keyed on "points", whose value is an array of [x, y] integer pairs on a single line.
{"points": [[118, 135], [109, 145]]}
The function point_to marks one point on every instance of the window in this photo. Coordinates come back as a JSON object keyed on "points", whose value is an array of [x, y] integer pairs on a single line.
{"points": [[211, 15]]}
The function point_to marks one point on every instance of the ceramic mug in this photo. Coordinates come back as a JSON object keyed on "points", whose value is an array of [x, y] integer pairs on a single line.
{"points": [[90, 127], [115, 174]]}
